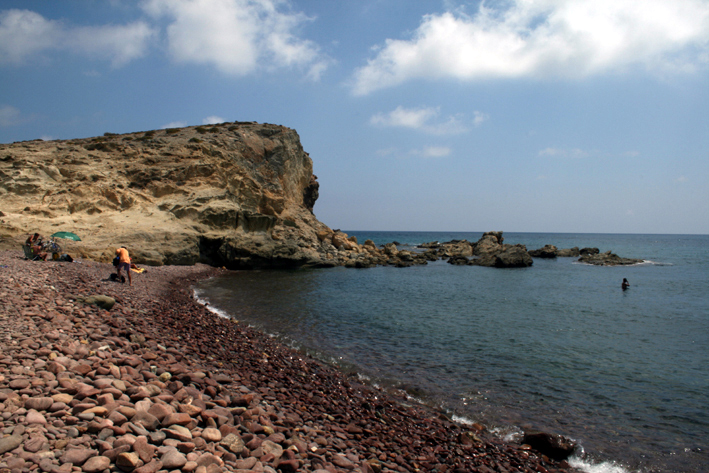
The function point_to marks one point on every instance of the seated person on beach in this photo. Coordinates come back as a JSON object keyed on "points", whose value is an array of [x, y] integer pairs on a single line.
{"points": [[124, 263], [32, 240], [38, 251]]}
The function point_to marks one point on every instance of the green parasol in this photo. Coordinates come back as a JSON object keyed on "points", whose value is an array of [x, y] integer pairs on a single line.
{"points": [[67, 236]]}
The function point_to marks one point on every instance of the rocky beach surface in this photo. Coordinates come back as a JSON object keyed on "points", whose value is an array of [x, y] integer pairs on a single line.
{"points": [[158, 383]]}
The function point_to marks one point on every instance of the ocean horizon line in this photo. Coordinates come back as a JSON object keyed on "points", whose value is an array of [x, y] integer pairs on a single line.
{"points": [[349, 231]]}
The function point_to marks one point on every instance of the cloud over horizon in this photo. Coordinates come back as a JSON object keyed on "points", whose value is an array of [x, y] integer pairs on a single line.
{"points": [[546, 38]]}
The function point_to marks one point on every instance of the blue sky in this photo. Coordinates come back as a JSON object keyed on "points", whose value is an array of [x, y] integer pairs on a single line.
{"points": [[518, 115]]}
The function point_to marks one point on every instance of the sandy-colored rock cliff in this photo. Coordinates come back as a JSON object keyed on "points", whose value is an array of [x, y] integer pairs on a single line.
{"points": [[239, 195]]}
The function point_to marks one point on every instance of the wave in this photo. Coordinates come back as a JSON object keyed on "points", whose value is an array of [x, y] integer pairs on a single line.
{"points": [[221, 313], [590, 467], [645, 262], [656, 263]]}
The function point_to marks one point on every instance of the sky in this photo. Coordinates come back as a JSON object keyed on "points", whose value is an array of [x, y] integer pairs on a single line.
{"points": [[442, 115]]}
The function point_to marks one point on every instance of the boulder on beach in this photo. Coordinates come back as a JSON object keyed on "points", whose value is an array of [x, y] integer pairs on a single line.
{"points": [[104, 302]]}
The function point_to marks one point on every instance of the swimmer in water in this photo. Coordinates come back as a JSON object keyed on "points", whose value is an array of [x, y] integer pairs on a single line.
{"points": [[625, 284]]}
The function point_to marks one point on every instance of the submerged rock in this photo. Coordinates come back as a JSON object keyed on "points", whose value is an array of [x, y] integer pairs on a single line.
{"points": [[556, 447], [607, 259]]}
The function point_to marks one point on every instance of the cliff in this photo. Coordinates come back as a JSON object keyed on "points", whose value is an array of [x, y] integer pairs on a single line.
{"points": [[239, 195]]}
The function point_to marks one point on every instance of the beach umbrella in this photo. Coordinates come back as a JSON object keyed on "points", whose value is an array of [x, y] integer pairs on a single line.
{"points": [[67, 236]]}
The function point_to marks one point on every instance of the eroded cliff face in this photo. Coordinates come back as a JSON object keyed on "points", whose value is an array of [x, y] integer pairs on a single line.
{"points": [[239, 195]]}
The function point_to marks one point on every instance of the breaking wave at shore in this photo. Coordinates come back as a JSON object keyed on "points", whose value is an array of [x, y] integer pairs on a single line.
{"points": [[221, 313]]}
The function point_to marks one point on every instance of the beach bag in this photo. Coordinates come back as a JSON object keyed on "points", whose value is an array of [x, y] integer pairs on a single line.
{"points": [[116, 261]]}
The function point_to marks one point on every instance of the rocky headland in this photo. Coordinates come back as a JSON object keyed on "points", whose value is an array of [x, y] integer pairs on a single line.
{"points": [[238, 195], [98, 376]]}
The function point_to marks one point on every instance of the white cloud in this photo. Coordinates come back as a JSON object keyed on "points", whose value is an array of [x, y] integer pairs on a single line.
{"points": [[405, 117], [385, 152], [238, 36], [121, 43], [545, 38], [435, 152], [9, 115], [574, 153], [420, 119], [212, 120], [681, 179], [25, 34], [479, 118], [174, 125], [426, 152]]}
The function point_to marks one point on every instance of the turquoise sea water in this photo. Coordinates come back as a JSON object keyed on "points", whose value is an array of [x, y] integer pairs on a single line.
{"points": [[557, 347]]}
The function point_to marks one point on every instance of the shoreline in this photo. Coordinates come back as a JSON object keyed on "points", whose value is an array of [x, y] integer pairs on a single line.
{"points": [[206, 394]]}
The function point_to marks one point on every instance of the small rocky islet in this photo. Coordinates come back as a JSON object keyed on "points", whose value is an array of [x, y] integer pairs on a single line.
{"points": [[160, 384], [489, 251]]}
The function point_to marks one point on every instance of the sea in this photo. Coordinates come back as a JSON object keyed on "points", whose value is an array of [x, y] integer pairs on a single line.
{"points": [[557, 347]]}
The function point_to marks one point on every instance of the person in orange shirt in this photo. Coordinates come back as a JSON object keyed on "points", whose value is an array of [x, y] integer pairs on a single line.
{"points": [[123, 263]]}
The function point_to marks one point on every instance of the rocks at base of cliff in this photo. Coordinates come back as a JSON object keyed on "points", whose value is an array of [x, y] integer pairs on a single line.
{"points": [[608, 259], [256, 252]]}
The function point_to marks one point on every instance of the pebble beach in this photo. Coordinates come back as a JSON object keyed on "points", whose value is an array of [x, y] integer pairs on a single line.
{"points": [[158, 383]]}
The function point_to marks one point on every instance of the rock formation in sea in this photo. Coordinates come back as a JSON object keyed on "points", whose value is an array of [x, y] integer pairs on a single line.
{"points": [[239, 195], [488, 251]]}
